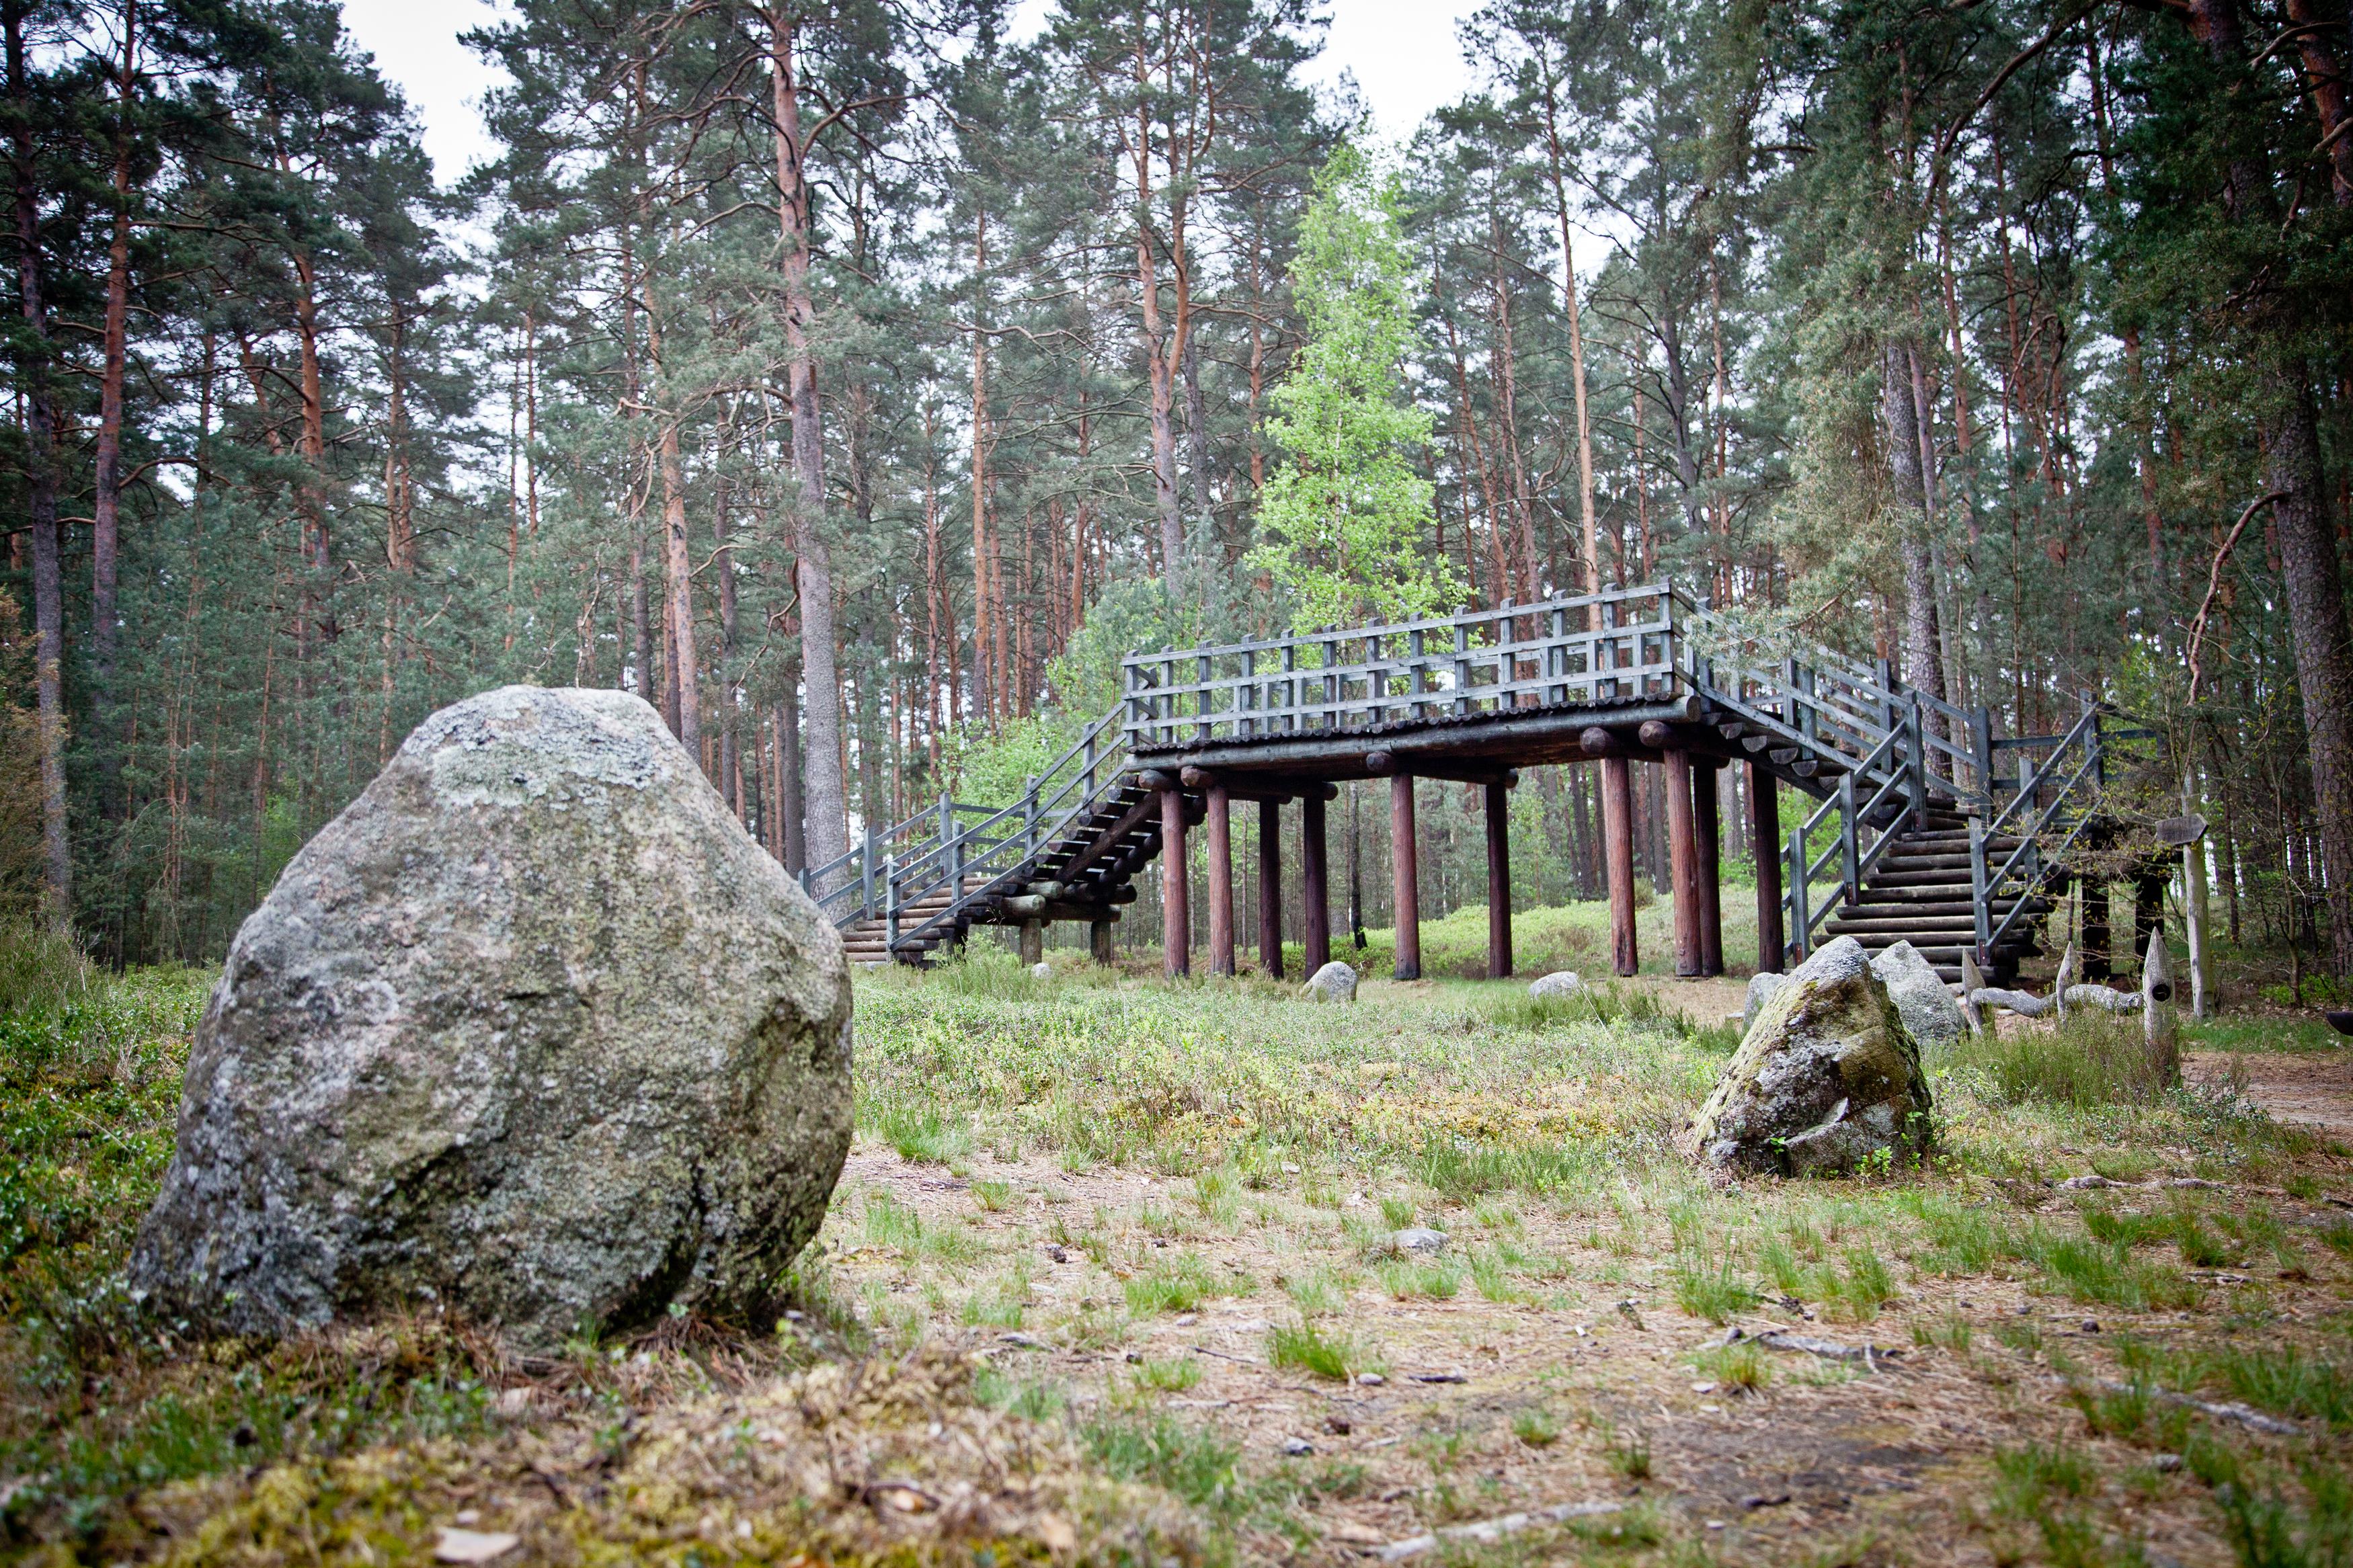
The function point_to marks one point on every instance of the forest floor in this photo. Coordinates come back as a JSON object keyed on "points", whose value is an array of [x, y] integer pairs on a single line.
{"points": [[1112, 1273]]}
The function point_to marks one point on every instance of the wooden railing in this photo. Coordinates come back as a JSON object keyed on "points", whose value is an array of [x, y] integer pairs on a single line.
{"points": [[1612, 647], [2052, 806]]}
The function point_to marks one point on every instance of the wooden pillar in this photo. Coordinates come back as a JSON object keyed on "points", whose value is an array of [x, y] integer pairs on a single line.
{"points": [[1707, 831], [1099, 947], [1269, 889], [1315, 920], [1221, 880], [2094, 895], [1033, 941], [1406, 877], [1176, 912], [1765, 831], [1618, 848], [1499, 883], [1683, 855]]}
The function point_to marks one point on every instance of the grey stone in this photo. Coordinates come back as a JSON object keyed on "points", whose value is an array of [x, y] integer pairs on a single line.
{"points": [[1828, 1077], [1928, 1008], [1559, 983], [533, 1031], [1762, 988], [1335, 982], [1415, 1238], [1041, 972]]}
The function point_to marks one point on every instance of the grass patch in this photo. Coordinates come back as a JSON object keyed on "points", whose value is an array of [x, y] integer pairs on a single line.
{"points": [[1178, 1284], [1319, 1350], [2088, 1059]]}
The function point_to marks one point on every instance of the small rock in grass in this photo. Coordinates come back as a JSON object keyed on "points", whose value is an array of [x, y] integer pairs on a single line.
{"points": [[1297, 1447], [2091, 1325], [1338, 1426], [2166, 1461], [1041, 971], [1702, 1388], [1370, 1380], [1335, 982], [473, 1545], [1559, 983], [1414, 1238]]}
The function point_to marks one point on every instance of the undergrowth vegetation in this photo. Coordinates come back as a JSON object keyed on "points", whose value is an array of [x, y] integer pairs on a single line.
{"points": [[1110, 1210]]}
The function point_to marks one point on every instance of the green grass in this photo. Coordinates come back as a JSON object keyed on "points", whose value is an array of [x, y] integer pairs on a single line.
{"points": [[1177, 1284], [1320, 1349], [1706, 1286], [2090, 1059]]}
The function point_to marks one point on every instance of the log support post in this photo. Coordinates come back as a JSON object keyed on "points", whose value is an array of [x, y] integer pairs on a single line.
{"points": [[1617, 851], [1765, 833], [1176, 910], [1314, 878], [1707, 835], [1033, 942], [1683, 860], [1406, 878], [2095, 896], [1269, 889], [1099, 946], [1219, 822], [1499, 882]]}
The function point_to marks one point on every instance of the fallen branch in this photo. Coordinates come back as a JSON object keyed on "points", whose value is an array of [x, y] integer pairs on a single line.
{"points": [[1488, 1531], [2244, 1414], [2101, 996], [1828, 1350], [2016, 1001]]}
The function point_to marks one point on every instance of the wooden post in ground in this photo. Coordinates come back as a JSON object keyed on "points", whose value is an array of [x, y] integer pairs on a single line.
{"points": [[1315, 877], [1269, 889], [1706, 839], [1221, 880], [1099, 946], [1683, 855], [1499, 882], [1175, 911], [1033, 942], [1764, 832], [1617, 849], [2095, 897], [1406, 877]]}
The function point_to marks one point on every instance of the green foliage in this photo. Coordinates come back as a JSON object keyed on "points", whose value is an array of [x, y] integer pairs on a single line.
{"points": [[1320, 1349], [2090, 1059], [1344, 521]]}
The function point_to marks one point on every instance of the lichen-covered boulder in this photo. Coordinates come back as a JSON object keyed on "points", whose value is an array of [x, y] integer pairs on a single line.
{"points": [[1928, 1008], [532, 1032], [1335, 982], [1827, 1077], [1559, 983]]}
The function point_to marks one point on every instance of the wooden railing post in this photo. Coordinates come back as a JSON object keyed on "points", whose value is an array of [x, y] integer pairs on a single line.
{"points": [[1461, 667], [1915, 766], [891, 903], [1981, 746], [1556, 656], [865, 875], [1850, 843], [1802, 927], [1981, 896]]}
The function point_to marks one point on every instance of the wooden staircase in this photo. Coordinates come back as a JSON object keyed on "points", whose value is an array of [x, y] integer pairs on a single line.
{"points": [[1920, 892], [1083, 872]]}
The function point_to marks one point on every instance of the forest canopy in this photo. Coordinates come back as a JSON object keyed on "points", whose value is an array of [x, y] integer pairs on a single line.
{"points": [[858, 382]]}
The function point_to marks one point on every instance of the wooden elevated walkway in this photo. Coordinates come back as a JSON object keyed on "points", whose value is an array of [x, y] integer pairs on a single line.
{"points": [[1929, 827]]}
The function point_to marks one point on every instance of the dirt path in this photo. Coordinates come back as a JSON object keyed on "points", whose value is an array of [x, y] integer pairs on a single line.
{"points": [[2315, 1091]]}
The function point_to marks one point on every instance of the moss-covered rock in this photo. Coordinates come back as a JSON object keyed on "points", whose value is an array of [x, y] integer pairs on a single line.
{"points": [[1827, 1077], [533, 1031]]}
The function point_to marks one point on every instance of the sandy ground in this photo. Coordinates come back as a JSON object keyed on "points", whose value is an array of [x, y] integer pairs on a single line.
{"points": [[2314, 1091]]}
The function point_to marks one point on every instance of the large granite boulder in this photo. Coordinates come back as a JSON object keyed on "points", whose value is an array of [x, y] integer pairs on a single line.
{"points": [[1827, 1077], [1335, 982], [1913, 984], [533, 1032]]}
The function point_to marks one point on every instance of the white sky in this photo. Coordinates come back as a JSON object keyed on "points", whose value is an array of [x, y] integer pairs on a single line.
{"points": [[1402, 52]]}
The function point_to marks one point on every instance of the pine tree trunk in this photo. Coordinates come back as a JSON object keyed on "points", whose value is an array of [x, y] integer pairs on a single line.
{"points": [[826, 819], [41, 488]]}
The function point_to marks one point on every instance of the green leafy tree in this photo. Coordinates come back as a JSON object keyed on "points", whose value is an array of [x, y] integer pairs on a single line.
{"points": [[1345, 523]]}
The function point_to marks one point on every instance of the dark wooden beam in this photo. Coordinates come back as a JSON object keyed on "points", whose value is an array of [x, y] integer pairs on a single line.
{"points": [[1764, 830], [1221, 826], [1315, 920], [1707, 834], [1269, 889], [1517, 737], [1499, 882], [1617, 849], [1406, 878], [1129, 821], [1176, 914], [1682, 868]]}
